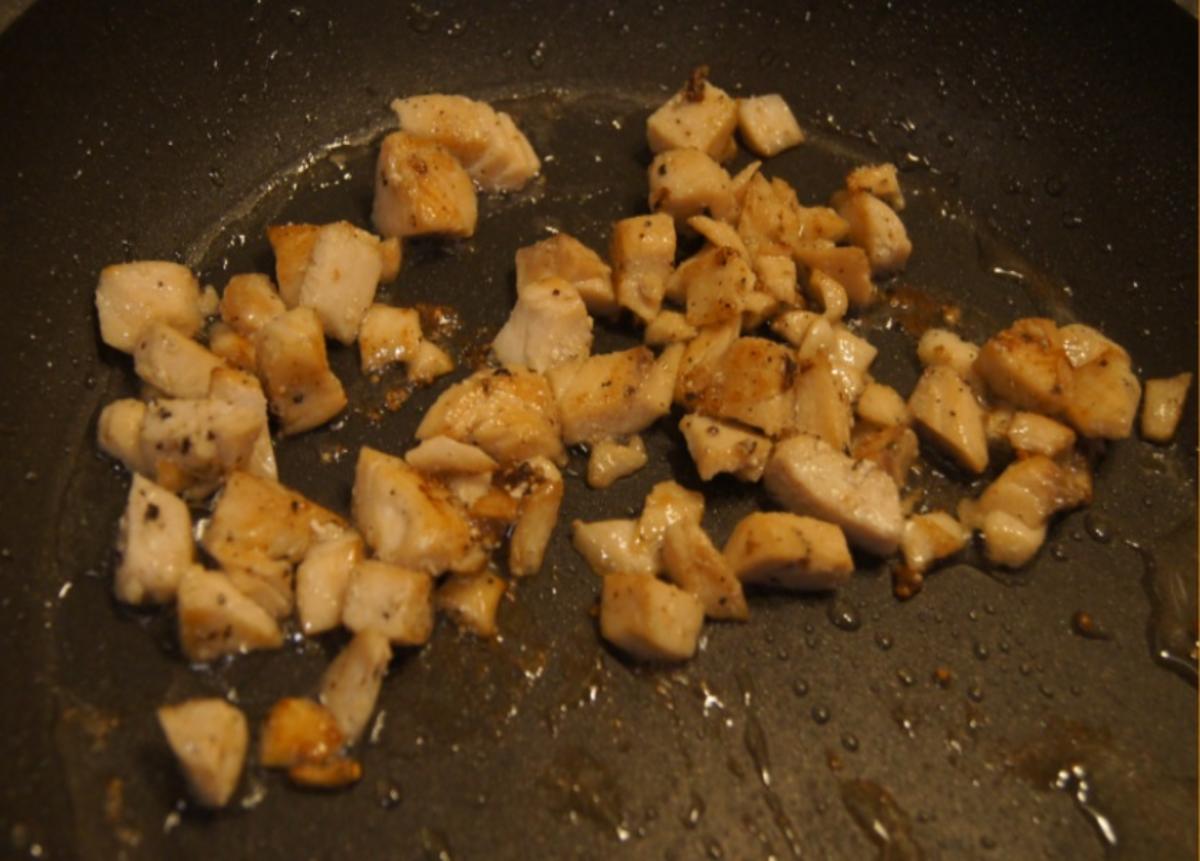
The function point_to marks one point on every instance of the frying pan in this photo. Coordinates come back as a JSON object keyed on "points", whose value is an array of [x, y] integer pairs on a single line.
{"points": [[1050, 156]]}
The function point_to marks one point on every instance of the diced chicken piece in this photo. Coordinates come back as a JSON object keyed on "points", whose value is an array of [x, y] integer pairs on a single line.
{"points": [[410, 519], [1025, 365], [997, 421], [1032, 433], [943, 347], [642, 252], [119, 433], [701, 359], [216, 619], [829, 295], [929, 538], [294, 368], [350, 686], [613, 394], [511, 414], [440, 455], [131, 296], [876, 228], [819, 340], [693, 564], [716, 283], [1103, 397], [564, 256], [321, 581], [850, 356], [808, 476], [421, 189], [391, 599], [767, 125], [341, 277], [240, 388], [172, 362], [335, 772], [540, 485], [614, 546], [471, 601], [209, 738], [740, 181], [848, 266], [790, 551], [721, 234], [822, 408], [878, 179], [189, 445], [487, 142], [751, 383], [699, 115], [1010, 541], [549, 325], [1083, 344], [249, 303], [944, 407], [687, 182], [776, 276], [388, 336], [769, 220], [820, 226], [757, 308], [298, 730], [259, 531], [882, 406], [1162, 406], [429, 363], [391, 255], [613, 459], [292, 245], [894, 449], [154, 544], [235, 349], [667, 503], [669, 327], [793, 326], [648, 619], [717, 446]]}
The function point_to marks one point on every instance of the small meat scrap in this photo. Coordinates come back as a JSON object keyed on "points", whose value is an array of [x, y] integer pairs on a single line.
{"points": [[1033, 433], [893, 449], [471, 601], [687, 182], [173, 363], [693, 564], [718, 446], [564, 256], [548, 326], [216, 619], [209, 738], [669, 327], [1162, 406], [614, 546], [929, 538], [700, 115], [339, 283], [388, 336], [648, 619], [131, 296], [421, 189], [667, 503], [391, 599], [321, 580], [767, 125], [613, 459], [350, 685], [848, 265], [119, 433], [882, 406], [945, 409], [294, 368], [789, 551], [154, 544], [880, 180], [303, 736], [249, 302], [876, 228], [540, 487], [642, 252]]}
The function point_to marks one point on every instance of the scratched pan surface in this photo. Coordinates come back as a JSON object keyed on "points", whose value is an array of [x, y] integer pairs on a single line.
{"points": [[1050, 160]]}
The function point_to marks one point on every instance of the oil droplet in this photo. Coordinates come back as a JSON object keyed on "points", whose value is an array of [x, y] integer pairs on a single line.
{"points": [[883, 641], [820, 715], [800, 688], [1055, 186], [850, 742], [1099, 527], [844, 616], [434, 845], [387, 794], [943, 677], [877, 814], [1075, 781], [537, 55], [1072, 220], [694, 812], [975, 693], [713, 848], [1085, 625], [980, 651], [906, 677]]}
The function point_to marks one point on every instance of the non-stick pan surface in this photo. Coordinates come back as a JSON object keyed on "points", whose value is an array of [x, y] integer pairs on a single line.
{"points": [[1050, 158]]}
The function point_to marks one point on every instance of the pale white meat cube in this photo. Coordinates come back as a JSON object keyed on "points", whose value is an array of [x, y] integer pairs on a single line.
{"points": [[1103, 397], [388, 336], [259, 531], [350, 686], [1083, 345], [822, 408], [808, 476], [793, 326], [850, 356], [429, 363], [848, 266], [240, 388], [776, 548], [172, 362], [341, 277], [740, 181], [929, 538], [701, 359], [1026, 366], [751, 383], [549, 325], [944, 408], [882, 405], [189, 445], [612, 394], [776, 275], [669, 327], [667, 503], [487, 142], [1162, 406], [1033, 433], [829, 295], [614, 546], [767, 125], [880, 180], [208, 737], [757, 308], [441, 454], [693, 564], [321, 580], [943, 347], [215, 619], [894, 449], [420, 189], [564, 256], [818, 341], [119, 433], [613, 459], [769, 219], [249, 302], [154, 544], [537, 515], [721, 234], [876, 228], [717, 446], [410, 519], [699, 115], [292, 245], [648, 619], [471, 601], [687, 182], [1008, 540], [716, 283], [233, 348], [511, 414], [294, 368], [642, 253], [391, 599], [131, 296]]}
